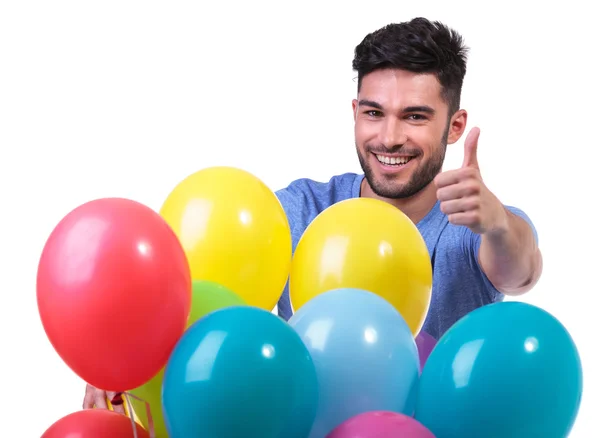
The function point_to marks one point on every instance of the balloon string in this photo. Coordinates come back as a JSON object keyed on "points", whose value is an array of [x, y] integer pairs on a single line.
{"points": [[148, 414], [133, 425]]}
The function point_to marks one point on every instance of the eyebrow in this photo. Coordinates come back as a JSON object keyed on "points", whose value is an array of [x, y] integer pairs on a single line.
{"points": [[409, 109]]}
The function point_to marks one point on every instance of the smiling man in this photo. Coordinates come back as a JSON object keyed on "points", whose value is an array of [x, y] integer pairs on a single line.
{"points": [[406, 112]]}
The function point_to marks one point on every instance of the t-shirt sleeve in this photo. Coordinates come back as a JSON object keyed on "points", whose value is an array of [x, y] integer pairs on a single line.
{"points": [[472, 243], [291, 200]]}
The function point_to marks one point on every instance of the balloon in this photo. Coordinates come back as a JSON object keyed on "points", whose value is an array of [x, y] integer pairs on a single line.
{"points": [[235, 232], [364, 353], [507, 369], [240, 372], [207, 296], [425, 344], [368, 244], [94, 423], [112, 261], [380, 424]]}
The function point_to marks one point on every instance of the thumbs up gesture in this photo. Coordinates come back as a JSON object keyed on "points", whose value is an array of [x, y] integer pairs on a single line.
{"points": [[465, 199]]}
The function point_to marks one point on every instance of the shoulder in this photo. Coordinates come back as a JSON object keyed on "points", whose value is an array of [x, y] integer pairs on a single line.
{"points": [[303, 199], [466, 239], [520, 213], [306, 193], [306, 187]]}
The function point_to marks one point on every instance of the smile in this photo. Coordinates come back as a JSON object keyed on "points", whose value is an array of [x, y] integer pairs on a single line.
{"points": [[393, 161]]}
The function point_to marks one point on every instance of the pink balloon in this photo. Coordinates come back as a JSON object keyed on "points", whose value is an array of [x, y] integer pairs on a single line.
{"points": [[380, 424], [425, 344]]}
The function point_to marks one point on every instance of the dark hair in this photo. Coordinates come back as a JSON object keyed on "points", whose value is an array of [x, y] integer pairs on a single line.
{"points": [[419, 46]]}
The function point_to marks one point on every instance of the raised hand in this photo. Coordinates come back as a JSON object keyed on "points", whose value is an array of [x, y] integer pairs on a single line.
{"points": [[465, 199], [97, 398]]}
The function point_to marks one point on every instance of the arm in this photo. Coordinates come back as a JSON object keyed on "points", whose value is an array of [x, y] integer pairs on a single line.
{"points": [[508, 253], [510, 257]]}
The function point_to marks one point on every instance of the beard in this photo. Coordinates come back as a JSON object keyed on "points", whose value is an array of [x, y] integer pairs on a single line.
{"points": [[386, 187]]}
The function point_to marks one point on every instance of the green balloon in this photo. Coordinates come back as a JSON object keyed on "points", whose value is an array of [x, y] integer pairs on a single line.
{"points": [[207, 296], [150, 392]]}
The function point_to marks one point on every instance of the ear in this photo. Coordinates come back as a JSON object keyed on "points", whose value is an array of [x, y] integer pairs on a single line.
{"points": [[457, 126], [354, 108]]}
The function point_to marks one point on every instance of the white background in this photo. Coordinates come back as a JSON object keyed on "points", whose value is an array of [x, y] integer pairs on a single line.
{"points": [[126, 99]]}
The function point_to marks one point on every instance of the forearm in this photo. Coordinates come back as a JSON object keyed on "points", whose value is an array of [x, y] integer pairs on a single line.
{"points": [[510, 257]]}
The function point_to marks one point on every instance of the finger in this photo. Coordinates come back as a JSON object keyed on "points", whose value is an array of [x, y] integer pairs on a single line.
{"points": [[117, 402], [458, 191], [471, 142], [88, 400], [463, 205], [468, 218], [100, 400], [456, 176]]}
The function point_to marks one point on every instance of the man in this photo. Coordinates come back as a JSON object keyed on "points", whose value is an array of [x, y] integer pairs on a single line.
{"points": [[407, 110]]}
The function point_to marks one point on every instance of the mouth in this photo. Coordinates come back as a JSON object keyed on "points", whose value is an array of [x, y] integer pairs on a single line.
{"points": [[394, 163]]}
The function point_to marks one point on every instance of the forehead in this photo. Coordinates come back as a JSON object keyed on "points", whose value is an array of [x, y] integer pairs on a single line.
{"points": [[396, 89]]}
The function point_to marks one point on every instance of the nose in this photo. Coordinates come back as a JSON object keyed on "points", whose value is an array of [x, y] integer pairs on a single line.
{"points": [[392, 133]]}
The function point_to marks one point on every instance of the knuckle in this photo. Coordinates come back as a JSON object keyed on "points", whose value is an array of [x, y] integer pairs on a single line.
{"points": [[474, 188], [471, 172]]}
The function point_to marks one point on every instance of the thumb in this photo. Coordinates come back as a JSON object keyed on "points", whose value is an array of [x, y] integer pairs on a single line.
{"points": [[471, 141]]}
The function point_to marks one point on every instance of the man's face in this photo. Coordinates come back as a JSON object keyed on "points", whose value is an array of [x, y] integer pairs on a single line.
{"points": [[401, 131]]}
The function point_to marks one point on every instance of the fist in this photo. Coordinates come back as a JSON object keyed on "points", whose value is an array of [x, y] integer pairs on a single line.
{"points": [[97, 398], [465, 199]]}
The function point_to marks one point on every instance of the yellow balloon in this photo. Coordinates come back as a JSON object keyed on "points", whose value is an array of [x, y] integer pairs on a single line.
{"points": [[234, 231], [367, 244]]}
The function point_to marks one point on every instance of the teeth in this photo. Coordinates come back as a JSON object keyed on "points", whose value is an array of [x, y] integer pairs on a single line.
{"points": [[393, 160]]}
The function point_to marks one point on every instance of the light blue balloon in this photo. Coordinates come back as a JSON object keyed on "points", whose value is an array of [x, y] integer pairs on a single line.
{"points": [[507, 369], [239, 372], [364, 353]]}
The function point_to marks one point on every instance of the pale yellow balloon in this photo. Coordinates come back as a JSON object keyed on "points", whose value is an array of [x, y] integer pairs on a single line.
{"points": [[367, 244], [234, 232]]}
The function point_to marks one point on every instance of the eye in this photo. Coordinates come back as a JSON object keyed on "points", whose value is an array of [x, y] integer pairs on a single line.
{"points": [[373, 113], [417, 117]]}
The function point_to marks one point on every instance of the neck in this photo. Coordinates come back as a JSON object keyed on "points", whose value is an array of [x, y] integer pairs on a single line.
{"points": [[415, 207]]}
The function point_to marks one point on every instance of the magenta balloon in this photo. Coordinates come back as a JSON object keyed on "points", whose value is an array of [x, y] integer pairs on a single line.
{"points": [[380, 424], [425, 343]]}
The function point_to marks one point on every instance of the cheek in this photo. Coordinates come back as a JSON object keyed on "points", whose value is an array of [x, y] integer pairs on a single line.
{"points": [[429, 142], [364, 132]]}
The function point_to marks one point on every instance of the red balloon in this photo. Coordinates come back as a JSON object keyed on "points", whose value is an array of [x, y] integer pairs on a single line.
{"points": [[94, 423], [380, 424], [114, 292]]}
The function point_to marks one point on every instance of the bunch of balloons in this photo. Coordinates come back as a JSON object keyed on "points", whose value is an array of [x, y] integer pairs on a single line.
{"points": [[173, 308]]}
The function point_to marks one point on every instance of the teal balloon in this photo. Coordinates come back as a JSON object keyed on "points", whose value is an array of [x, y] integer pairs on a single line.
{"points": [[239, 372], [508, 369]]}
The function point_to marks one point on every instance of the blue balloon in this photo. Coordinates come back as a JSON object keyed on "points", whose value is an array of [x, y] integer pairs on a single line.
{"points": [[507, 369], [239, 372], [364, 353]]}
